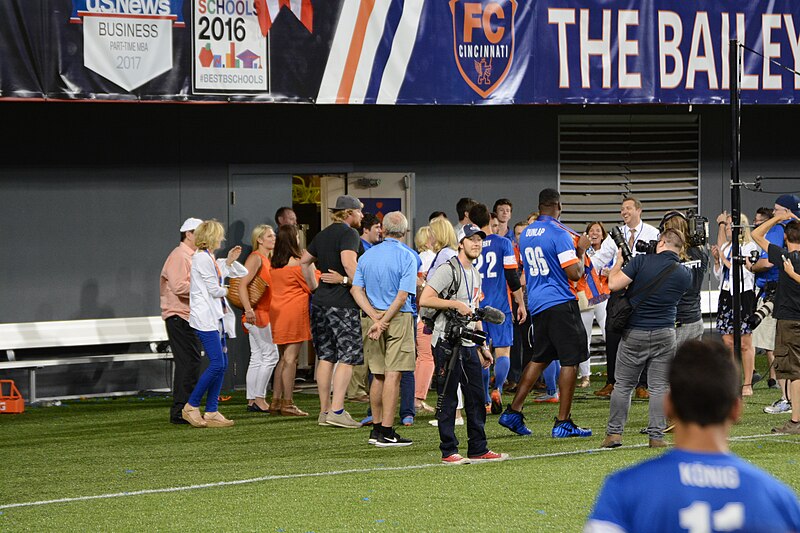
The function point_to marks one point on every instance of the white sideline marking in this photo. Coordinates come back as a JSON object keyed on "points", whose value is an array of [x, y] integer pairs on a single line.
{"points": [[331, 473]]}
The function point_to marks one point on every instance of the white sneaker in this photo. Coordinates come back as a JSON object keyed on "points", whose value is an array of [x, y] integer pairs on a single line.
{"points": [[778, 407]]}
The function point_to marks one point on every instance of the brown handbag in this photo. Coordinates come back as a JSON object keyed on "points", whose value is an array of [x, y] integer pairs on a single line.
{"points": [[255, 290]]}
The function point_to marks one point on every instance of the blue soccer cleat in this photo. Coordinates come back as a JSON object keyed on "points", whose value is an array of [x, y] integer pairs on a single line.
{"points": [[515, 421], [567, 428]]}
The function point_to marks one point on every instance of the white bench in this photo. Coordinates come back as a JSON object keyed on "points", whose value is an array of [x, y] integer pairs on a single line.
{"points": [[69, 333]]}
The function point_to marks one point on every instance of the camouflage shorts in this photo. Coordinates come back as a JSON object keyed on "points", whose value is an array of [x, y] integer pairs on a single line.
{"points": [[336, 332]]}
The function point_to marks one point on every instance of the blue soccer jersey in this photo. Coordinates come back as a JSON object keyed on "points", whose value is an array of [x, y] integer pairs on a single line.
{"points": [[695, 492], [547, 247], [497, 255]]}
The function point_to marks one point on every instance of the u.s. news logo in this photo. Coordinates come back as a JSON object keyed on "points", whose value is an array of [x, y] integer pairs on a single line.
{"points": [[483, 41]]}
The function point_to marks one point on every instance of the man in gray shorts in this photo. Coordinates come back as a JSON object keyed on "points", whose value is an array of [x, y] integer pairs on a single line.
{"points": [[335, 317]]}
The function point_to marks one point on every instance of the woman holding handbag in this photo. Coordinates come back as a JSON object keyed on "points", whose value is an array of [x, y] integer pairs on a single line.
{"points": [[211, 317], [255, 319]]}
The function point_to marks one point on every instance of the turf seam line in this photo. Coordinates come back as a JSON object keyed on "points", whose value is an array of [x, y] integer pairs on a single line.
{"points": [[329, 473]]}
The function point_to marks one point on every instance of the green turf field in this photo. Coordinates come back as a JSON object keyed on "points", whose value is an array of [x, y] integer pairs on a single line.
{"points": [[118, 465]]}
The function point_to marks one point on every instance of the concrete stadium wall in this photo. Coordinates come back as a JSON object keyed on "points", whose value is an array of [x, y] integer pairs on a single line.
{"points": [[89, 218]]}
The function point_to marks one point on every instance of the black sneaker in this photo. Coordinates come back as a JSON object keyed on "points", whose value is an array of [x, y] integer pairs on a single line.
{"points": [[385, 441], [772, 384], [756, 378], [373, 436]]}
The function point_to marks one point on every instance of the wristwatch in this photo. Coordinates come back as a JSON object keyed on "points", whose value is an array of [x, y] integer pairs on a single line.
{"points": [[344, 280]]}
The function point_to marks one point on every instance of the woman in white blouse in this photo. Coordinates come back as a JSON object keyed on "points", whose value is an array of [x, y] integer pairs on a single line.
{"points": [[211, 317], [722, 269]]}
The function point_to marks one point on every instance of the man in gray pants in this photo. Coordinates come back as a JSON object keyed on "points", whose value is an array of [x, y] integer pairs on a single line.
{"points": [[650, 334]]}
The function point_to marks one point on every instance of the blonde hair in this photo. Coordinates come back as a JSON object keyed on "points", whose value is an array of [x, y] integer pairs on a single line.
{"points": [[209, 235], [340, 215], [259, 232], [744, 234], [679, 224], [443, 234], [422, 239]]}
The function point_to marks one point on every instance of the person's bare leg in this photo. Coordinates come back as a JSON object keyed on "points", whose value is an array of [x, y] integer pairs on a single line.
{"points": [[566, 387], [376, 397], [289, 360], [529, 376], [748, 364], [794, 392], [277, 377], [391, 391], [341, 378], [324, 374], [771, 361]]}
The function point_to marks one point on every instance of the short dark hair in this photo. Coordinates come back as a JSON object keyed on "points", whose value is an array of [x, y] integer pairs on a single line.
{"points": [[437, 214], [464, 205], [183, 235], [696, 397], [674, 238], [368, 221], [766, 212], [792, 232], [279, 213], [479, 215], [502, 201], [549, 197]]}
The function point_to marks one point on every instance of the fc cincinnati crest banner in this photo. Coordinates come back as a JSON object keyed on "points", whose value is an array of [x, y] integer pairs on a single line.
{"points": [[453, 52]]}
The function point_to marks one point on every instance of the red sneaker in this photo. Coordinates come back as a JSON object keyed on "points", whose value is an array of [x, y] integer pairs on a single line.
{"points": [[455, 459], [488, 456]]}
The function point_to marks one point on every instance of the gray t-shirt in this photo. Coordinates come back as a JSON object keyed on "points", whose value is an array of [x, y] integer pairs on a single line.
{"points": [[469, 290]]}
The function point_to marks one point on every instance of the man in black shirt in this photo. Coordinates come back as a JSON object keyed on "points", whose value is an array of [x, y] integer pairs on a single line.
{"points": [[787, 306], [335, 316]]}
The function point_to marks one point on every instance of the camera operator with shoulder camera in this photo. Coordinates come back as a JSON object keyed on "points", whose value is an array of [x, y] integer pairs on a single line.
{"points": [[637, 235], [454, 290], [787, 304], [693, 256], [655, 284]]}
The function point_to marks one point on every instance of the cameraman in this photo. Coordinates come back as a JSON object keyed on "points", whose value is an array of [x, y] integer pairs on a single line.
{"points": [[456, 286], [637, 234], [649, 339], [689, 318], [787, 304]]}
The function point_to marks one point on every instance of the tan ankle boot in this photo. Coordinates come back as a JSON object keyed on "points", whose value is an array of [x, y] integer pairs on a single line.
{"points": [[290, 409], [275, 406]]}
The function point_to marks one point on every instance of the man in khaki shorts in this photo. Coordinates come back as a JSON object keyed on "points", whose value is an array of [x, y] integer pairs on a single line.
{"points": [[386, 278], [787, 301]]}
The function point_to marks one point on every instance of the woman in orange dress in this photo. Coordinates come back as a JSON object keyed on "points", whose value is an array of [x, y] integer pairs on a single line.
{"points": [[256, 320], [291, 323]]}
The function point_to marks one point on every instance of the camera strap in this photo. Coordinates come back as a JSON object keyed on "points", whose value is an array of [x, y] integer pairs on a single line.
{"points": [[653, 285], [455, 285]]}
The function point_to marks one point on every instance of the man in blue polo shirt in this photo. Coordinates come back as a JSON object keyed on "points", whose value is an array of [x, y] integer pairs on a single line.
{"points": [[551, 261], [385, 280], [700, 485], [649, 339]]}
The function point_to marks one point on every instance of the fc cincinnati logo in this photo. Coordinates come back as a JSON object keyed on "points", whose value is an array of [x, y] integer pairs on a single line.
{"points": [[483, 41]]}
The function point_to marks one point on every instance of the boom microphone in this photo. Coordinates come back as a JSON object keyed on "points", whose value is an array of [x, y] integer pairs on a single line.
{"points": [[490, 314]]}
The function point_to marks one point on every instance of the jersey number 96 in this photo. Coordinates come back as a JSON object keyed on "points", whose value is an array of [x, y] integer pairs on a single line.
{"points": [[537, 265]]}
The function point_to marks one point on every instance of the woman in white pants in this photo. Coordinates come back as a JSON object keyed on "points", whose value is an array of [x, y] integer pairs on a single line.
{"points": [[593, 296], [263, 352]]}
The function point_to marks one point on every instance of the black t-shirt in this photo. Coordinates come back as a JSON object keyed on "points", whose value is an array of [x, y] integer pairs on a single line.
{"points": [[659, 309], [689, 309], [787, 297], [327, 247]]}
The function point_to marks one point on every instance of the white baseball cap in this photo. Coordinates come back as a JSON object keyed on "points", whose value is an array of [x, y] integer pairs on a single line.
{"points": [[190, 224]]}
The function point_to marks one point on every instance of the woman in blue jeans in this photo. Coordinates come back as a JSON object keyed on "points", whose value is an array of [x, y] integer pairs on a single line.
{"points": [[211, 317]]}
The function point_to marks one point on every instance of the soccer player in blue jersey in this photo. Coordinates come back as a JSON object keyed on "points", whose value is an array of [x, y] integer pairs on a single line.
{"points": [[700, 485], [551, 261], [497, 265]]}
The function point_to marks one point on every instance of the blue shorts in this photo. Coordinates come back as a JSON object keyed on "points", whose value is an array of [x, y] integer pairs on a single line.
{"points": [[500, 335]]}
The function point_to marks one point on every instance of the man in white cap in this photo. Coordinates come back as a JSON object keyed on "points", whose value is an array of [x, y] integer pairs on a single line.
{"points": [[335, 315], [174, 294]]}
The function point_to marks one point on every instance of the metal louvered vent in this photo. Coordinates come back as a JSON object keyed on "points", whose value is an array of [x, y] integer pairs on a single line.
{"points": [[603, 159]]}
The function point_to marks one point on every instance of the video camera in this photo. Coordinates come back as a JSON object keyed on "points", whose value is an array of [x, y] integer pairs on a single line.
{"points": [[456, 329], [698, 229]]}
